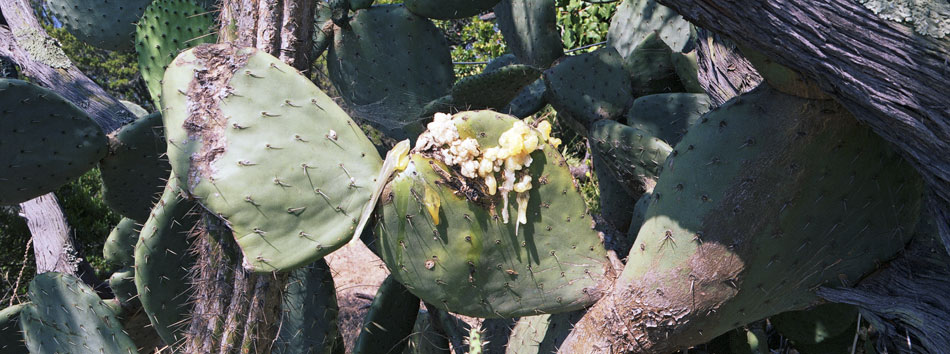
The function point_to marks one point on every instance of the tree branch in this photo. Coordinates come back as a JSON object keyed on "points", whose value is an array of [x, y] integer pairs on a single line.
{"points": [[41, 59]]}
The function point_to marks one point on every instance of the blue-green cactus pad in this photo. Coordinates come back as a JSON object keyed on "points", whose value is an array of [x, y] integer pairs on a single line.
{"points": [[106, 24], [66, 316], [45, 141]]}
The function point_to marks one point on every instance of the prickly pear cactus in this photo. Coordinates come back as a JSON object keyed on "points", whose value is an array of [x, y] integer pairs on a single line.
{"points": [[542, 334], [530, 30], [483, 243], [134, 169], [493, 89], [634, 157], [122, 284], [635, 20], [668, 115], [45, 141], [66, 316], [388, 63], [119, 247], [589, 87], [275, 157], [167, 28], [308, 322], [804, 191], [687, 69], [11, 339], [425, 339], [162, 263], [651, 68], [390, 320], [107, 24], [449, 9]]}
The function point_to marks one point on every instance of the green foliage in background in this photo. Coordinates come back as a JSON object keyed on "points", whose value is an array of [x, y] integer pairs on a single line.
{"points": [[583, 23]]}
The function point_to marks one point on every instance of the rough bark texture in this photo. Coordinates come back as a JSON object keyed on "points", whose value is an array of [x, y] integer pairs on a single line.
{"points": [[53, 245], [723, 72], [907, 300], [282, 28], [237, 311], [888, 76], [41, 59]]}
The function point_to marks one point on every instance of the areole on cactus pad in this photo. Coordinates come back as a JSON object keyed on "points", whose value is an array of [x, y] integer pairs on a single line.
{"points": [[485, 220]]}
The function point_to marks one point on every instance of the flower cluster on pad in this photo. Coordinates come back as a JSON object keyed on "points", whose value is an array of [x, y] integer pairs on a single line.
{"points": [[509, 158]]}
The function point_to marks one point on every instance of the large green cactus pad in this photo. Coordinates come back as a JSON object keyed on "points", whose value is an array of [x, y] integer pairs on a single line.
{"points": [[308, 318], [166, 28], [45, 141], [668, 115], [107, 24], [134, 170], [449, 9], [530, 30], [470, 261], [66, 316], [387, 65], [767, 184], [163, 261], [275, 157], [122, 283], [589, 87], [635, 20]]}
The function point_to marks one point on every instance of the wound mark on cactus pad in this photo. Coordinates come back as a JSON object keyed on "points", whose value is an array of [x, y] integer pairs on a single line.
{"points": [[205, 121]]}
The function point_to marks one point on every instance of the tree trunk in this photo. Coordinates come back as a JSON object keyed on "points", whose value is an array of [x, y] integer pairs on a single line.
{"points": [[883, 72], [53, 246], [40, 58], [236, 310]]}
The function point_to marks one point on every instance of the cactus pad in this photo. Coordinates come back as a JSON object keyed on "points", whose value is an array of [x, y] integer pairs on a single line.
{"points": [[163, 260], [589, 87], [286, 168], [166, 28], [134, 170], [449, 9], [106, 24], [542, 334], [493, 89], [635, 20], [119, 247], [387, 64], [66, 314], [45, 141], [456, 241], [308, 322], [390, 320], [805, 191], [651, 68], [819, 328], [783, 78], [530, 30], [122, 284], [11, 340], [633, 156], [668, 115]]}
